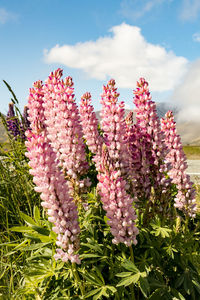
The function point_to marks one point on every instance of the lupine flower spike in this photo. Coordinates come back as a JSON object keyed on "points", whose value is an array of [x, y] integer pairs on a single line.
{"points": [[114, 127], [89, 124], [50, 181], [116, 202], [13, 123], [64, 129], [185, 198], [153, 151]]}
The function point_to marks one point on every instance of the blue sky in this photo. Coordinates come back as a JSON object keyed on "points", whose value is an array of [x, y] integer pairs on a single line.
{"points": [[95, 40]]}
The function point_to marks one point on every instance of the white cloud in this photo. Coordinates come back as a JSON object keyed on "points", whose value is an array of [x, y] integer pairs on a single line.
{"points": [[196, 37], [126, 56], [6, 16], [190, 10], [187, 94]]}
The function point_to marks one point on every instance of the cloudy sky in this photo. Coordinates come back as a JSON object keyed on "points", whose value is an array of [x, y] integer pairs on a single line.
{"points": [[94, 41]]}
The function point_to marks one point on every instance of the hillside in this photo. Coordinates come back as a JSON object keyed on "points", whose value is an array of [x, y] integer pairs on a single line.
{"points": [[3, 134]]}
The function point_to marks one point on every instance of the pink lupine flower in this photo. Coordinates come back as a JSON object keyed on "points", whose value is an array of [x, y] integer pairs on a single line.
{"points": [[89, 124], [114, 127], [116, 202], [152, 148], [139, 169], [63, 125], [185, 198], [50, 181]]}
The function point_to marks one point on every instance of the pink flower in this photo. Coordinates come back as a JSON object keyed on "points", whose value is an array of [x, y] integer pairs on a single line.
{"points": [[114, 127], [152, 149], [116, 202], [63, 126], [185, 198], [89, 124], [50, 181]]}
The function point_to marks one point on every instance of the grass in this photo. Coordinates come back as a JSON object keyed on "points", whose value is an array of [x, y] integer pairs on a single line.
{"points": [[192, 152]]}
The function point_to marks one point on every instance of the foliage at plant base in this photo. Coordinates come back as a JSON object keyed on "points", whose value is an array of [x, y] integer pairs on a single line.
{"points": [[164, 264]]}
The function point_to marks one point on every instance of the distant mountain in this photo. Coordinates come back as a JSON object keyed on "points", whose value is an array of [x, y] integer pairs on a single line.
{"points": [[161, 107], [189, 131]]}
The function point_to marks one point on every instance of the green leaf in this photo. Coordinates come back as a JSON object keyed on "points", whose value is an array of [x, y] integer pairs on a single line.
{"points": [[163, 231], [157, 284], [196, 285], [41, 230], [35, 246], [92, 280], [13, 94], [21, 229], [179, 281], [157, 294], [36, 213], [124, 274], [93, 292], [178, 295], [95, 247], [187, 284], [98, 296], [89, 255], [144, 286], [27, 219], [99, 275], [112, 288], [129, 265], [131, 279]]}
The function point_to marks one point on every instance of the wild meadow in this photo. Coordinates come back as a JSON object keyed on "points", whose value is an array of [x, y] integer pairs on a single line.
{"points": [[93, 210]]}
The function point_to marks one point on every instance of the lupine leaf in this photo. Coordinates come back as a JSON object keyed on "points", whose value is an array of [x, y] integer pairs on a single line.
{"points": [[93, 292], [129, 265], [197, 285], [124, 274], [144, 286], [131, 279]]}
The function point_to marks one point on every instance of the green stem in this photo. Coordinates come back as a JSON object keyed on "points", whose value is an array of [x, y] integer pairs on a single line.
{"points": [[117, 296], [132, 291], [131, 252], [132, 286], [77, 279], [186, 223]]}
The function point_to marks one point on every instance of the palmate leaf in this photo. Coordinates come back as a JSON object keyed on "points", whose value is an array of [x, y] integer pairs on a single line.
{"points": [[163, 231], [129, 265], [95, 247], [170, 250], [102, 291], [131, 277], [129, 280], [92, 278], [93, 292]]}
